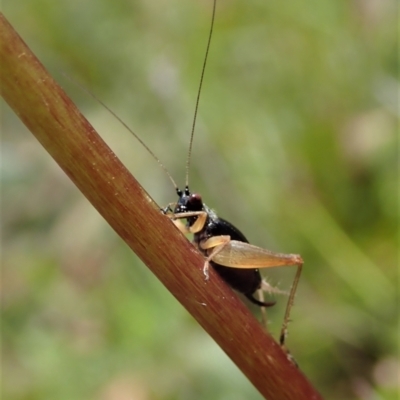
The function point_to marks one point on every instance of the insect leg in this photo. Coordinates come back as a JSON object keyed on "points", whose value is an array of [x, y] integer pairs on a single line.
{"points": [[238, 254], [197, 226], [217, 244], [168, 208], [286, 319], [181, 226]]}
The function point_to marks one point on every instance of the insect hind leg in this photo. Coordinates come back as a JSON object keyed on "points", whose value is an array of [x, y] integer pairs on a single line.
{"points": [[286, 319]]}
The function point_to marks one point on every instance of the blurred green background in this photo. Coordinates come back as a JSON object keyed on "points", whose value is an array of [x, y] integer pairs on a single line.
{"points": [[296, 144]]}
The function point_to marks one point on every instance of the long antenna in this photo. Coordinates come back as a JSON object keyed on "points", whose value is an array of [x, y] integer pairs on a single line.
{"points": [[126, 127], [198, 94]]}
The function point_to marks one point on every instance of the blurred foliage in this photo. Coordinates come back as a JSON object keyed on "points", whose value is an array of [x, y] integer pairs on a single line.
{"points": [[296, 144]]}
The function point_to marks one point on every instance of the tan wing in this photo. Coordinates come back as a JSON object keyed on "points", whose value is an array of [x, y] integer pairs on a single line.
{"points": [[237, 254]]}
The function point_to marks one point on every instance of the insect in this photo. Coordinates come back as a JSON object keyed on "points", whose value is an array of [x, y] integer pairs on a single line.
{"points": [[224, 247]]}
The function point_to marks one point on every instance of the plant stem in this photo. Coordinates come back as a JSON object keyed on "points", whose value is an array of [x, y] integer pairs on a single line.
{"points": [[66, 135]]}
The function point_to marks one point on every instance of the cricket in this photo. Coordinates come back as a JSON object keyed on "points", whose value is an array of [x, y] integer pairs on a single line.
{"points": [[224, 247]]}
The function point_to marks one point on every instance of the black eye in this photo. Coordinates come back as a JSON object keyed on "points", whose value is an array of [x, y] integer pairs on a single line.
{"points": [[195, 202]]}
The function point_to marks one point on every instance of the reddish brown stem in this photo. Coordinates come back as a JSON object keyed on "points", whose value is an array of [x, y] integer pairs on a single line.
{"points": [[66, 135]]}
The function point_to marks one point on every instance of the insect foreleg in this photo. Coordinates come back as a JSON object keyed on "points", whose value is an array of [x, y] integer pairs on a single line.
{"points": [[181, 226], [168, 208], [197, 226]]}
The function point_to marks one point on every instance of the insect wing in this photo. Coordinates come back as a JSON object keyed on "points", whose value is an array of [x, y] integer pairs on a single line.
{"points": [[237, 254]]}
